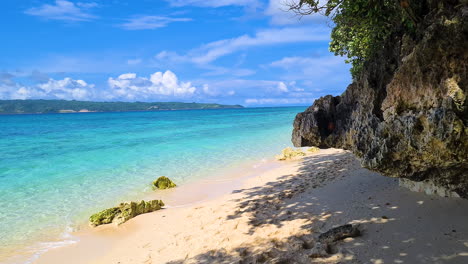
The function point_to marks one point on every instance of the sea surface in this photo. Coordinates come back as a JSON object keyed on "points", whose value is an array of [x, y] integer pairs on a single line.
{"points": [[57, 169]]}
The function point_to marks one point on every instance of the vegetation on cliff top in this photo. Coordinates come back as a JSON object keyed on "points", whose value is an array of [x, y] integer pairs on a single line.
{"points": [[62, 106], [363, 26]]}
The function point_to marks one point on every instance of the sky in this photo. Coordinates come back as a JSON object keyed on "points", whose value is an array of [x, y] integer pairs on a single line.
{"points": [[248, 52]]}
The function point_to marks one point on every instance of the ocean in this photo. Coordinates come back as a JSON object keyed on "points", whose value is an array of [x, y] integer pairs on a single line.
{"points": [[58, 169]]}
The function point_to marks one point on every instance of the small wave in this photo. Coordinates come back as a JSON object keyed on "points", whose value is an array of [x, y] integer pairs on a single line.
{"points": [[43, 247]]}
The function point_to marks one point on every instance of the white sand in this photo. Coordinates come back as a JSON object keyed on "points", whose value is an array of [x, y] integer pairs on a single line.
{"points": [[273, 213]]}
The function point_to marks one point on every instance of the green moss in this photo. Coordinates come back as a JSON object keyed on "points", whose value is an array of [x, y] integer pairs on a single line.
{"points": [[289, 153], [313, 149], [104, 217], [125, 212], [163, 183]]}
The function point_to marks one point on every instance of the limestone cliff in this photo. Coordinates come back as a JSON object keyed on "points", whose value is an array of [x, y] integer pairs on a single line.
{"points": [[406, 114]]}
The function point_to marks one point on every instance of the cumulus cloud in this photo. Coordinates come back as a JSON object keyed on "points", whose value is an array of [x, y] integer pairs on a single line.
{"points": [[130, 86], [64, 10], [150, 22], [66, 88], [159, 86], [126, 87]]}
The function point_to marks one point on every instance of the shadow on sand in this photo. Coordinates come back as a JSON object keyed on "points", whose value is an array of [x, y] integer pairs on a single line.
{"points": [[331, 190]]}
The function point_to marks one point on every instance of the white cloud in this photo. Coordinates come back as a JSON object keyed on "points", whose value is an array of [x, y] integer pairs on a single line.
{"points": [[64, 10], [214, 50], [130, 86], [134, 61], [324, 68], [248, 88], [127, 76], [268, 37], [209, 91], [150, 22], [66, 88], [279, 101], [282, 87], [214, 3], [280, 14], [126, 87], [217, 91], [170, 56]]}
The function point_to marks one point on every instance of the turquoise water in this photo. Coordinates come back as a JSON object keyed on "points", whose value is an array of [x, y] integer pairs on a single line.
{"points": [[57, 169]]}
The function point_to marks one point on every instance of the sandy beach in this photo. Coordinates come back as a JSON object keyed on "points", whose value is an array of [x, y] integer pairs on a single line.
{"points": [[277, 215]]}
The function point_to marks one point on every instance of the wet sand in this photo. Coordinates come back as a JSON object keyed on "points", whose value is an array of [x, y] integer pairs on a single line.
{"points": [[276, 215]]}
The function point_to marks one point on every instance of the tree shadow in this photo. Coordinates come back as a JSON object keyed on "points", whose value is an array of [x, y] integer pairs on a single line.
{"points": [[298, 199]]}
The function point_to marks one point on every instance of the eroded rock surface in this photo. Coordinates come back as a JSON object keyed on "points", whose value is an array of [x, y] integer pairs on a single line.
{"points": [[406, 115], [289, 154], [124, 212], [164, 182]]}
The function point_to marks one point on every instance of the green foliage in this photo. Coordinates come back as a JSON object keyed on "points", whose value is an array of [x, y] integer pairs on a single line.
{"points": [[361, 26], [56, 106]]}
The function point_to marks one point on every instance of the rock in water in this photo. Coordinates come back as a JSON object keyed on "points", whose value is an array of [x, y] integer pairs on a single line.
{"points": [[406, 114], [289, 153], [163, 183], [124, 212]]}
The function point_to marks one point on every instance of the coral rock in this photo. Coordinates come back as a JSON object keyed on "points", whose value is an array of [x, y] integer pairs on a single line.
{"points": [[164, 183], [313, 149], [289, 153], [124, 212]]}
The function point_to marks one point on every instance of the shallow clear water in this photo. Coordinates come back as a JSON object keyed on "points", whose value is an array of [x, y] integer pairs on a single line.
{"points": [[57, 169]]}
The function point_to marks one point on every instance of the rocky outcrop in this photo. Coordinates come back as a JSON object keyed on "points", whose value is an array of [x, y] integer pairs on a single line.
{"points": [[124, 212], [406, 114], [163, 182]]}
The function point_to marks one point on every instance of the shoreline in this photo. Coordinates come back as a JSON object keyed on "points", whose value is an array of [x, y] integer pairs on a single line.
{"points": [[271, 212], [185, 195]]}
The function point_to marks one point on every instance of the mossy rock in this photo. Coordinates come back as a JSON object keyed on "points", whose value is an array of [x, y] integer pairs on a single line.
{"points": [[289, 153], [104, 217], [163, 183], [124, 212], [313, 149]]}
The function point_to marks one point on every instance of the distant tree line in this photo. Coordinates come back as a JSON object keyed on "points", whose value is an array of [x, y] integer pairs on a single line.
{"points": [[63, 106]]}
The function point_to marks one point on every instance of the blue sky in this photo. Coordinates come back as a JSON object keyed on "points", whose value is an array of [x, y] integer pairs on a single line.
{"points": [[248, 52]]}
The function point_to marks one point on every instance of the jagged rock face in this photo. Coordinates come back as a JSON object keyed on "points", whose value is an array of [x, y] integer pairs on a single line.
{"points": [[406, 115]]}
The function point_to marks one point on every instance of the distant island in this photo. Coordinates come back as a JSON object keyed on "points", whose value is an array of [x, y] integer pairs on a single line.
{"points": [[63, 106]]}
